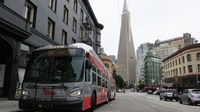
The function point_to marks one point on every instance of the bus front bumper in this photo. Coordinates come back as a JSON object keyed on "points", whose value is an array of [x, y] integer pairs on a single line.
{"points": [[54, 105]]}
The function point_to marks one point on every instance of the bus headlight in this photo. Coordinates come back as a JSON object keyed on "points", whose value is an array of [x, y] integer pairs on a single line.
{"points": [[76, 93], [25, 94]]}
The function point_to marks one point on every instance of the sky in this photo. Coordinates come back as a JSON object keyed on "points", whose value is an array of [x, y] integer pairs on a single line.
{"points": [[150, 20]]}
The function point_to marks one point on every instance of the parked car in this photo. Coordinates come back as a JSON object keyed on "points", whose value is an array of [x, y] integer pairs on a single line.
{"points": [[169, 94], [190, 96], [132, 90], [149, 91], [119, 90]]}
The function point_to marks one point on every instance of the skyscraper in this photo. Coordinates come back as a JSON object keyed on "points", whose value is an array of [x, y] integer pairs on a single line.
{"points": [[126, 53]]}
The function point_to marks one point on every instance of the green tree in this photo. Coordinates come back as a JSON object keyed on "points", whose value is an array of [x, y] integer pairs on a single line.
{"points": [[141, 86], [119, 81]]}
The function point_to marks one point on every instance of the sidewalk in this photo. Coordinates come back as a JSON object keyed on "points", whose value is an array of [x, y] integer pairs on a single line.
{"points": [[8, 104]]}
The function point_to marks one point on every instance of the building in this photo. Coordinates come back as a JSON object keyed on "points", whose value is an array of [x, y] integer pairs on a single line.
{"points": [[152, 70], [112, 58], [28, 24], [141, 54], [182, 68], [163, 49], [108, 63], [126, 52]]}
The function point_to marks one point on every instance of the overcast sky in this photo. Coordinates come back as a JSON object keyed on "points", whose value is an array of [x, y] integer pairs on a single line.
{"points": [[150, 20]]}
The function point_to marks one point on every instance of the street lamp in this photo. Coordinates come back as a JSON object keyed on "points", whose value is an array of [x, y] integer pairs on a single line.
{"points": [[152, 82]]}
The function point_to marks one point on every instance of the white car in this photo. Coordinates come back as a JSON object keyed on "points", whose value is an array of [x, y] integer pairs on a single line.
{"points": [[169, 94], [190, 96]]}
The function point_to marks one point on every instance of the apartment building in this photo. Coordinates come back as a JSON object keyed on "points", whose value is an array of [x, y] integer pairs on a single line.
{"points": [[28, 24], [162, 49], [182, 68]]}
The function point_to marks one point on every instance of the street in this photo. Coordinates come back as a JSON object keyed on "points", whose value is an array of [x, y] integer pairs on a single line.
{"points": [[141, 102], [126, 102]]}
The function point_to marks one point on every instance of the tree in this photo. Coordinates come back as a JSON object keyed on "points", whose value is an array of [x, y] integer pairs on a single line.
{"points": [[119, 81], [141, 86]]}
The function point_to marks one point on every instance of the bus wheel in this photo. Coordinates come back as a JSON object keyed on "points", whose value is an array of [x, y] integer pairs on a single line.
{"points": [[93, 103]]}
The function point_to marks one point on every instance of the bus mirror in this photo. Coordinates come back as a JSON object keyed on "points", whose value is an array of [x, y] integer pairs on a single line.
{"points": [[88, 64]]}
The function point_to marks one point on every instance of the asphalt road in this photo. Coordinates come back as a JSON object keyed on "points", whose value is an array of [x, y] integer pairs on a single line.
{"points": [[141, 102], [125, 102]]}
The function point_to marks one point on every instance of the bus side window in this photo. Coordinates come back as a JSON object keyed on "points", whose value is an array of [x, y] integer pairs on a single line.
{"points": [[99, 81], [93, 78], [88, 75]]}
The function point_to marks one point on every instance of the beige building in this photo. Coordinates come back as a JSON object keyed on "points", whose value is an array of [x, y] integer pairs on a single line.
{"points": [[182, 68], [108, 63], [163, 49]]}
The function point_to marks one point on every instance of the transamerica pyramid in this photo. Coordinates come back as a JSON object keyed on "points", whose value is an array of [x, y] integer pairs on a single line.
{"points": [[126, 61]]}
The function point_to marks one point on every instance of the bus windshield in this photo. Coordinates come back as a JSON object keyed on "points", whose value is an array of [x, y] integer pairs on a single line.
{"points": [[54, 69]]}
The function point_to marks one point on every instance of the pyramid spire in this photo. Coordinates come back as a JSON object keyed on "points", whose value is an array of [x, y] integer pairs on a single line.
{"points": [[126, 51], [125, 6]]}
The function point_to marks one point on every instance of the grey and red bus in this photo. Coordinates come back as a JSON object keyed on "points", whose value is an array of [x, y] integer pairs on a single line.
{"points": [[70, 77]]}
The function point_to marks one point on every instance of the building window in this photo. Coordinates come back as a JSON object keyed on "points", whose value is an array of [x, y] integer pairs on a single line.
{"points": [[183, 59], [52, 5], [65, 15], [198, 56], [198, 67], [64, 38], [190, 68], [184, 70], [30, 13], [189, 58], [81, 32], [82, 15], [50, 29], [179, 60], [98, 38], [74, 25], [179, 46], [180, 71], [75, 6], [73, 40]]}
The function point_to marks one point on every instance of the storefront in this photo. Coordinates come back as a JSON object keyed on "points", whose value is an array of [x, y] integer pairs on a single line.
{"points": [[183, 82], [11, 37]]}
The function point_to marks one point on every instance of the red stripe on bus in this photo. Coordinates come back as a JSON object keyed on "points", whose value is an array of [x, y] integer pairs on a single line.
{"points": [[86, 103]]}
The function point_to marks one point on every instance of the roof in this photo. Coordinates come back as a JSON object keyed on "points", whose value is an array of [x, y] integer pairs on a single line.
{"points": [[181, 50], [90, 11]]}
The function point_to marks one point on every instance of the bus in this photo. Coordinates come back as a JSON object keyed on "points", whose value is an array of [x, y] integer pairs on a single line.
{"points": [[70, 77]]}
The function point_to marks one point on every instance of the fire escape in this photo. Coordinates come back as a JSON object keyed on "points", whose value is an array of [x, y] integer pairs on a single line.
{"points": [[86, 33]]}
